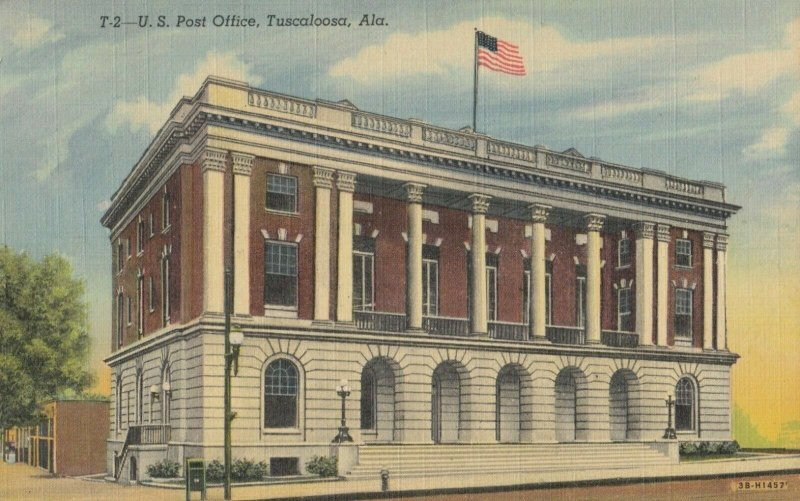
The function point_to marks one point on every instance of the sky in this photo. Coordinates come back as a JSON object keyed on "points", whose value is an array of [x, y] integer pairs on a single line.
{"points": [[701, 89]]}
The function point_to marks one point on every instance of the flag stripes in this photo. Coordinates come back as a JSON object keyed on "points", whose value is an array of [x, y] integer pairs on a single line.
{"points": [[499, 55]]}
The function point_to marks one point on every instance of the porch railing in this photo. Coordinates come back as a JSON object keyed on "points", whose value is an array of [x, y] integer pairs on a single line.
{"points": [[509, 331], [620, 339], [141, 434], [566, 335], [380, 321], [446, 326]]}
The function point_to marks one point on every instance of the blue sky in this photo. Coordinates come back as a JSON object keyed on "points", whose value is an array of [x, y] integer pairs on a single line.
{"points": [[707, 90]]}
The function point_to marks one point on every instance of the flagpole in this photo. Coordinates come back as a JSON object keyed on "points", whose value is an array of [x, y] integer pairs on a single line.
{"points": [[475, 86]]}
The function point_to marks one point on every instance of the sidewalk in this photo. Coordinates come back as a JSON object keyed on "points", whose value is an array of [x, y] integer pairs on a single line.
{"points": [[22, 482]]}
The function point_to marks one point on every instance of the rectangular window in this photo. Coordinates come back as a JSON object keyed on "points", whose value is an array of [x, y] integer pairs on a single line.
{"points": [[280, 274], [363, 281], [683, 253], [120, 257], [151, 292], [140, 237], [548, 302], [624, 252], [624, 316], [430, 287], [150, 224], [491, 292], [683, 313], [128, 247], [526, 292], [165, 286], [580, 301], [130, 310], [526, 295], [140, 304], [281, 193], [120, 318]]}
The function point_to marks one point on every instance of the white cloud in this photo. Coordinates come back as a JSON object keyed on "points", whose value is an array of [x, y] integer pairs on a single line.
{"points": [[32, 32], [792, 108], [449, 50], [771, 145], [103, 205], [142, 113]]}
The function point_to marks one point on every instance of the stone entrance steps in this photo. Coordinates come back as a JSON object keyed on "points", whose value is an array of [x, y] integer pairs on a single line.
{"points": [[438, 460]]}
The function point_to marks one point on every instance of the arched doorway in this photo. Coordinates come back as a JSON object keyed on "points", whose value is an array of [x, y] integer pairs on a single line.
{"points": [[620, 411], [509, 402], [570, 402], [377, 400], [445, 404]]}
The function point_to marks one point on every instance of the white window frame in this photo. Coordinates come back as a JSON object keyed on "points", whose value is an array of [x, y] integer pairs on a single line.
{"points": [[491, 289], [140, 305], [278, 306], [296, 193], [548, 290], [299, 398], [620, 313], [151, 294], [165, 290], [694, 394], [624, 242], [118, 404], [580, 300], [139, 237], [430, 309], [165, 213], [690, 313], [678, 243], [526, 304], [365, 305]]}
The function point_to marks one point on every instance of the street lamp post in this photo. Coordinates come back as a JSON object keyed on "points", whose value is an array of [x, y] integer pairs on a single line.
{"points": [[343, 390], [669, 433]]}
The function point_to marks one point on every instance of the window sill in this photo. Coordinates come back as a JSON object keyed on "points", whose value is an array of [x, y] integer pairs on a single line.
{"points": [[623, 267], [280, 311], [682, 267], [139, 253], [281, 212], [280, 431], [166, 230]]}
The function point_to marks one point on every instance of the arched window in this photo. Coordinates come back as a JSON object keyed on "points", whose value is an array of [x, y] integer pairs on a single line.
{"points": [[281, 383], [685, 405], [166, 395], [368, 399], [139, 398]]}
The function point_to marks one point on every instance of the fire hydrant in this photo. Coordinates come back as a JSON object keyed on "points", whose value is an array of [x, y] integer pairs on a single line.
{"points": [[384, 480]]}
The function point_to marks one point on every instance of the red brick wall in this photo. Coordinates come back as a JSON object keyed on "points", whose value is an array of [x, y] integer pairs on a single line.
{"points": [[79, 448], [149, 261], [301, 223], [693, 275]]}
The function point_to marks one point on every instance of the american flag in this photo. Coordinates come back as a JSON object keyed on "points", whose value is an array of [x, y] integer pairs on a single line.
{"points": [[499, 55]]}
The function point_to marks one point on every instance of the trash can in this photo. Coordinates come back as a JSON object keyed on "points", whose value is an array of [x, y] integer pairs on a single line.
{"points": [[195, 473]]}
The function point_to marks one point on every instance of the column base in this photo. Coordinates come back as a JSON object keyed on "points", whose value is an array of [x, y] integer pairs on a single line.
{"points": [[322, 323], [541, 340], [593, 341], [416, 331], [479, 334]]}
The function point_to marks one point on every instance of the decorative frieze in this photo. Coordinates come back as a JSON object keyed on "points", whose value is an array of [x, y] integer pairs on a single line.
{"points": [[282, 104], [644, 230], [414, 192], [449, 139], [323, 178], [594, 222], [242, 163], [380, 124], [662, 233], [569, 163], [214, 159], [683, 186], [511, 151], [539, 212], [480, 203], [346, 181]]}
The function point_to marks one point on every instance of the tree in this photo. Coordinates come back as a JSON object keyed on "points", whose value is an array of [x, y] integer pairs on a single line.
{"points": [[44, 341]]}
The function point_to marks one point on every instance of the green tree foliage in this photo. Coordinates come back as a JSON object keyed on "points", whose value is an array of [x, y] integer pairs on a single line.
{"points": [[44, 344]]}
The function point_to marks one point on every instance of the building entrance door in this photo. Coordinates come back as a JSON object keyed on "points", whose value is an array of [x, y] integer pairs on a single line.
{"points": [[436, 411]]}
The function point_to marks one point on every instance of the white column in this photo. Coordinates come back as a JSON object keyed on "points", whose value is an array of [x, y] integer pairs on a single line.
{"points": [[479, 321], [538, 292], [242, 168], [594, 223], [644, 282], [708, 291], [722, 321], [213, 230], [414, 285], [663, 237], [345, 183], [322, 243]]}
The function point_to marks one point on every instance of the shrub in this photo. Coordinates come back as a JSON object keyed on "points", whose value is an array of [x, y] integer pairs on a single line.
{"points": [[247, 470], [688, 448], [729, 447], [323, 466], [164, 469], [215, 472], [709, 448]]}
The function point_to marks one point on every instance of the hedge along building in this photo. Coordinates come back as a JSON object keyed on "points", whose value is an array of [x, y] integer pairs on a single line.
{"points": [[471, 290]]}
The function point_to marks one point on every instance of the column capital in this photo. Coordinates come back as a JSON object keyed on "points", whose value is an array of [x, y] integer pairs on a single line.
{"points": [[414, 192], [480, 203], [662, 233], [323, 178], [346, 181], [722, 242], [594, 222], [214, 159], [644, 229], [242, 163], [539, 212], [708, 240]]}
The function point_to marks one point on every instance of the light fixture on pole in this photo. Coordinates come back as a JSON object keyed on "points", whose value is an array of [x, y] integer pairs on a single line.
{"points": [[236, 337], [669, 433], [343, 390], [154, 393]]}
